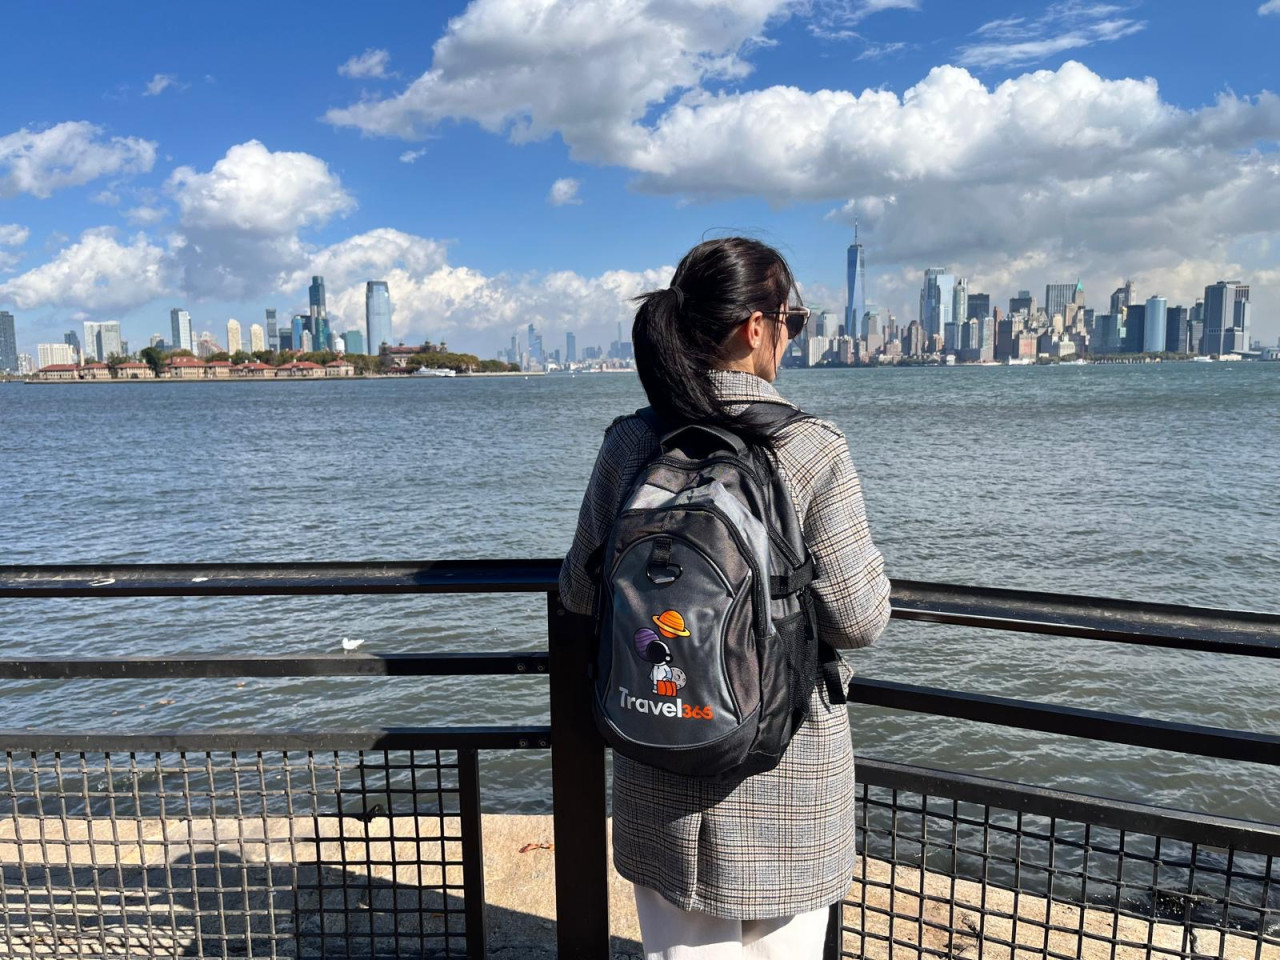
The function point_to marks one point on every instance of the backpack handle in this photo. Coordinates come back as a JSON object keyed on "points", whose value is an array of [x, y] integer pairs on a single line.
{"points": [[669, 441], [667, 438]]}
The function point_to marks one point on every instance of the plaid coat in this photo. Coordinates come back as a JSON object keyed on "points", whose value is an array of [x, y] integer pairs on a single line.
{"points": [[780, 842]]}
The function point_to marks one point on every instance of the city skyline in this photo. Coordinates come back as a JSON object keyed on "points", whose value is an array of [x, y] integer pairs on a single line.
{"points": [[130, 183]]}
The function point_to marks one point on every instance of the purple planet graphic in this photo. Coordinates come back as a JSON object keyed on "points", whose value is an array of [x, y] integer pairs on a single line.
{"points": [[649, 648]]}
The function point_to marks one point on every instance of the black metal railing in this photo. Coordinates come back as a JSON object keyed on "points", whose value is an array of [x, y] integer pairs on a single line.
{"points": [[360, 843]]}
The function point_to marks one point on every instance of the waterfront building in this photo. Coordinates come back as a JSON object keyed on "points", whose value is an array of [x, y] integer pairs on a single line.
{"points": [[1024, 345], [951, 338], [570, 347], [354, 340], [306, 344], [959, 302], [273, 333], [1107, 334], [855, 286], [1226, 318], [1154, 317], [254, 371], [979, 306], [1005, 331], [297, 326], [257, 339], [235, 343], [315, 297], [913, 340], [1023, 303], [25, 364], [936, 302], [95, 370], [8, 343], [1135, 328], [183, 368], [72, 339], [300, 369], [180, 329], [339, 368], [286, 340], [55, 354], [815, 349], [218, 369], [1176, 329], [133, 370], [1058, 296], [59, 371]]}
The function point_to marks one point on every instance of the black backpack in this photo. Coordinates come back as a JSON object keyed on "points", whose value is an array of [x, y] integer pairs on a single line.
{"points": [[708, 650]]}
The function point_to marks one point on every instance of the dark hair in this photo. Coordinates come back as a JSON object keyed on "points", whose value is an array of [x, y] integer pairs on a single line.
{"points": [[681, 333]]}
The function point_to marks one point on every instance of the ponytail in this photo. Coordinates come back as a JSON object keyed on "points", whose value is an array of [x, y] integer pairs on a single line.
{"points": [[681, 333]]}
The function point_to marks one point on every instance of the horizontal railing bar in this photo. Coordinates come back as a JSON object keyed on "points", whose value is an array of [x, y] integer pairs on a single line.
{"points": [[319, 665], [202, 741], [1030, 611], [1071, 721], [1203, 828], [1093, 618], [279, 579]]}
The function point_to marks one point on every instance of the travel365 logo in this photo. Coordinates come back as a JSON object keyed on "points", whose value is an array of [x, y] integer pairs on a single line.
{"points": [[655, 648]]}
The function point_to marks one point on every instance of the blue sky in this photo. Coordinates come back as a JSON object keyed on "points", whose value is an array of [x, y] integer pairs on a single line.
{"points": [[214, 157]]}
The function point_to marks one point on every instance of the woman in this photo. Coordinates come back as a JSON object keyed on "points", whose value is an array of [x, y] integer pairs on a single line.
{"points": [[746, 867]]}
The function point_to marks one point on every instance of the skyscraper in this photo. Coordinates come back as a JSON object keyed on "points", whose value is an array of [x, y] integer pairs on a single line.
{"points": [[8, 343], [235, 342], [316, 292], [55, 353], [1226, 318], [856, 286], [1177, 328], [101, 340], [979, 306], [1024, 303], [180, 322], [1135, 328], [960, 300], [1057, 296], [73, 341], [297, 328], [273, 335], [377, 314], [1120, 300], [570, 347], [257, 342], [354, 341], [1154, 318], [936, 302]]}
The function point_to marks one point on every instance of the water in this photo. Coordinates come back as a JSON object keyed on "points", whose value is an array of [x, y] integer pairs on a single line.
{"points": [[1153, 483]]}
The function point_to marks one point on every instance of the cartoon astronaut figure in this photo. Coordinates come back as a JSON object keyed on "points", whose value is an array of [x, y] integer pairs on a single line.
{"points": [[667, 680]]}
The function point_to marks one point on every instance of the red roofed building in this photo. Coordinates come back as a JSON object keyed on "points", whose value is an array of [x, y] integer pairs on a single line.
{"points": [[133, 370], [95, 371], [338, 368], [254, 371], [300, 368], [184, 368], [219, 369], [59, 371]]}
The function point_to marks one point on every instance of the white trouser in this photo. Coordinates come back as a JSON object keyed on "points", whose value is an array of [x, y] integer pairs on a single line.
{"points": [[670, 933]]}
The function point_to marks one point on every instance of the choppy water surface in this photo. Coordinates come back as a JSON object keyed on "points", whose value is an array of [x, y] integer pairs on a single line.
{"points": [[1146, 482]]}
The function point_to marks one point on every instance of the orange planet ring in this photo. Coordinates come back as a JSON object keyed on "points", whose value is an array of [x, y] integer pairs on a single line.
{"points": [[666, 625]]}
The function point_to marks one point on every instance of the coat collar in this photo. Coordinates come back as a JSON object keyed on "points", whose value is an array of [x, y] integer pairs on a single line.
{"points": [[738, 385]]}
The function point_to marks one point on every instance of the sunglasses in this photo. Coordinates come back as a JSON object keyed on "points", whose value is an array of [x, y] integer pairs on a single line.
{"points": [[795, 319]]}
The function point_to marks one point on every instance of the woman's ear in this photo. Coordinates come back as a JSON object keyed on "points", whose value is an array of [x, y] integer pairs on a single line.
{"points": [[753, 329]]}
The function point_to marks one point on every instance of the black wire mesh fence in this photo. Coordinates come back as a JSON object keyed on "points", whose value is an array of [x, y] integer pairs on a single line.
{"points": [[1033, 874], [236, 854]]}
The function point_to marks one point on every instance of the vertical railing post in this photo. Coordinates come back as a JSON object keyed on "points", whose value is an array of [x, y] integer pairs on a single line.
{"points": [[578, 791], [832, 947], [472, 854]]}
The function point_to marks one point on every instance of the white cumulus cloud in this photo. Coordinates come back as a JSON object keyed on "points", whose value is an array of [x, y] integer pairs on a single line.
{"points": [[97, 272], [564, 191], [158, 84], [371, 63], [13, 234], [1271, 6], [67, 154]]}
